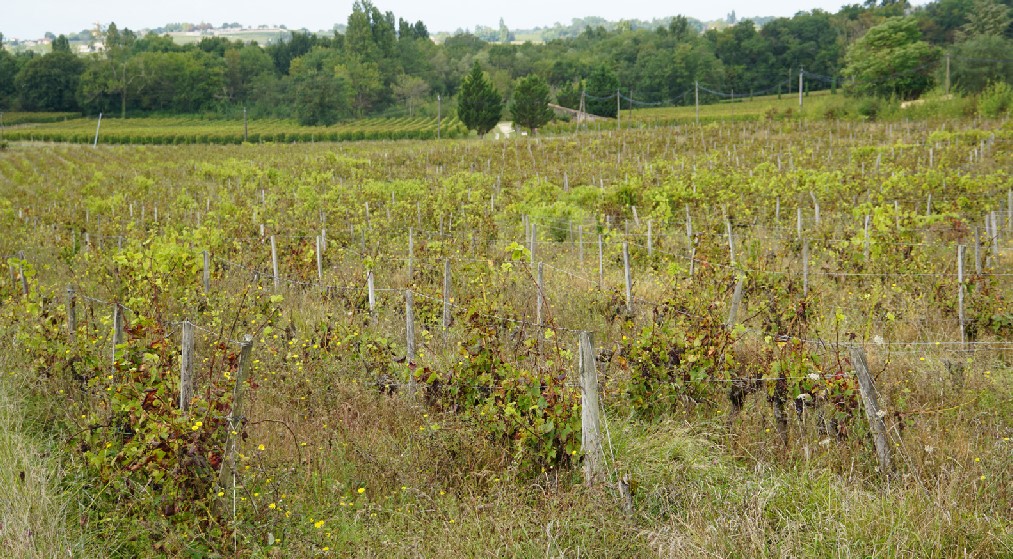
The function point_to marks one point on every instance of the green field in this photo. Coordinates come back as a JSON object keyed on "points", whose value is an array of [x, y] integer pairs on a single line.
{"points": [[328, 419], [818, 105], [195, 130]]}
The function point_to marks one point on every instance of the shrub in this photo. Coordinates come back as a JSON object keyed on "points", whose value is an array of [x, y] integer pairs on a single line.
{"points": [[869, 108], [996, 100]]}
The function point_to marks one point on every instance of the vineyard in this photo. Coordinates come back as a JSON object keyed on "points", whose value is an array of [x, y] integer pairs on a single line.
{"points": [[764, 338], [195, 130]]}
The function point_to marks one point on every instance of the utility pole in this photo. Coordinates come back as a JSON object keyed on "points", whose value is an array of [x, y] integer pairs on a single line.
{"points": [[696, 84], [947, 74], [246, 126], [801, 72], [439, 114], [97, 126]]}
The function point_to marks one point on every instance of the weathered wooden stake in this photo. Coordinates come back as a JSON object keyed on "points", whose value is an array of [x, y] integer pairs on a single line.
{"points": [[590, 438], [186, 367], [960, 293], [371, 293], [71, 314], [320, 262], [867, 248], [409, 313], [650, 239], [798, 222], [227, 476], [872, 411], [207, 272], [117, 330]]}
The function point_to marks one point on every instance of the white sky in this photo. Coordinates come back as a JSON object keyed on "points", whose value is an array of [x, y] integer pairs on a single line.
{"points": [[30, 19]]}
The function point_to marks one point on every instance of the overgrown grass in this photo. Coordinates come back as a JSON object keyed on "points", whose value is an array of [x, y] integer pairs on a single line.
{"points": [[32, 504]]}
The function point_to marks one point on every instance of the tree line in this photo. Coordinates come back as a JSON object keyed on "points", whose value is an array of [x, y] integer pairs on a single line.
{"points": [[386, 66]]}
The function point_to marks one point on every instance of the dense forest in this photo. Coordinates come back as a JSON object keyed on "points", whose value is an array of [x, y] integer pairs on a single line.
{"points": [[381, 65]]}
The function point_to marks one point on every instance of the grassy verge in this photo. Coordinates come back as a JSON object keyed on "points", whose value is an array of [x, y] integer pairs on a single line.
{"points": [[31, 504]]}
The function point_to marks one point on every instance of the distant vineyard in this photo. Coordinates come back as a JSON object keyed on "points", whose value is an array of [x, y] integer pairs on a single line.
{"points": [[194, 130], [16, 118]]}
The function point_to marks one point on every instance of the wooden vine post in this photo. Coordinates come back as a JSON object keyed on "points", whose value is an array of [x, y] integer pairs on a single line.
{"points": [[186, 367], [590, 437], [650, 239], [117, 330], [227, 476], [320, 262], [960, 294], [876, 425], [371, 294], [410, 339], [71, 314]]}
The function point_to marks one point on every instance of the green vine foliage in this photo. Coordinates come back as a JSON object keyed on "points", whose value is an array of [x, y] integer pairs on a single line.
{"points": [[533, 409]]}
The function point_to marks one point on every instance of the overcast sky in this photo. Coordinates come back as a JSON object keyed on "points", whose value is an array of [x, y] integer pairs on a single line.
{"points": [[29, 19]]}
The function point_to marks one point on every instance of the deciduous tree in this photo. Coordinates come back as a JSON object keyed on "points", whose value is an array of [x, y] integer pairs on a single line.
{"points": [[891, 60]]}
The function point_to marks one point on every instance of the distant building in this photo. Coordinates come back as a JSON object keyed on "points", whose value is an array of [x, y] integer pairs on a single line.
{"points": [[91, 48]]}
